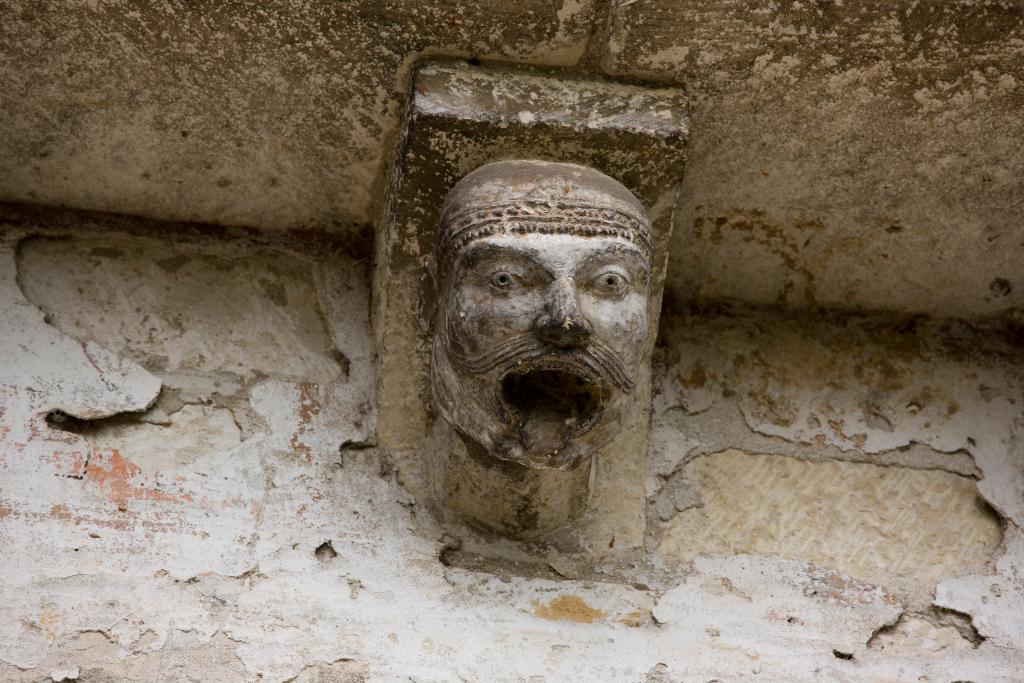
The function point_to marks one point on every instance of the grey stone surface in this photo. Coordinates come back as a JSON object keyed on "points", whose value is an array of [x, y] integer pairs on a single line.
{"points": [[279, 115], [846, 155], [460, 118]]}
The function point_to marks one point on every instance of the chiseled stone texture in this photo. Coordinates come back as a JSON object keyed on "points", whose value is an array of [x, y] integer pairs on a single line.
{"points": [[845, 154], [278, 115], [867, 521], [924, 394]]}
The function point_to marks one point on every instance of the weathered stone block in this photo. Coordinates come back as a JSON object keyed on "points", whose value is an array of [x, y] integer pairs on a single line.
{"points": [[459, 119], [881, 524]]}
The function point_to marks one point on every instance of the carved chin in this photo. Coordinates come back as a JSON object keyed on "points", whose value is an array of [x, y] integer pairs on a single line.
{"points": [[547, 407]]}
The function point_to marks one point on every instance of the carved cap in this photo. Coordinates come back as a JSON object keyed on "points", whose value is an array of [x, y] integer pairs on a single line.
{"points": [[524, 197]]}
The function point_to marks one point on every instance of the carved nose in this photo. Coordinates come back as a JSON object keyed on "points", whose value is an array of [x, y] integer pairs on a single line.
{"points": [[562, 324]]}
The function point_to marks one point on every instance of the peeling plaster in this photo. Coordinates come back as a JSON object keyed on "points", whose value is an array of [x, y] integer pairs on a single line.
{"points": [[856, 389], [211, 567], [132, 558]]}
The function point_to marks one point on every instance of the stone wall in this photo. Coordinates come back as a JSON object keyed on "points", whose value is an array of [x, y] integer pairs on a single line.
{"points": [[191, 490], [191, 486], [844, 154]]}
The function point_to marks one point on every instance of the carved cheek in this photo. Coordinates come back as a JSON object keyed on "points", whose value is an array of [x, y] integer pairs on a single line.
{"points": [[637, 328], [511, 314], [622, 324], [481, 319], [634, 324]]}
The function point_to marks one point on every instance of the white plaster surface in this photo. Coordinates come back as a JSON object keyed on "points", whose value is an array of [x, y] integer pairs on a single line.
{"points": [[124, 565], [996, 600], [837, 400], [188, 434], [185, 310]]}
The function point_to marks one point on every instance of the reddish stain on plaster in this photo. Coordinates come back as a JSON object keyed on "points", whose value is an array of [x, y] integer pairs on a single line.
{"points": [[116, 522], [309, 402], [64, 514], [844, 590], [309, 408], [61, 512], [115, 474], [70, 463]]}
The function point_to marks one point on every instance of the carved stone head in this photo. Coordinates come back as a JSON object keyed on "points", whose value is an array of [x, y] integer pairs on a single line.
{"points": [[543, 287]]}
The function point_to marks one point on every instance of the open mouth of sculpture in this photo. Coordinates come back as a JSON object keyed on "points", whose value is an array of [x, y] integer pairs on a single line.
{"points": [[550, 405]]}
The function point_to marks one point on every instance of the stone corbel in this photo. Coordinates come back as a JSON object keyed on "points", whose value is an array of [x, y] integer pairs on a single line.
{"points": [[520, 268]]}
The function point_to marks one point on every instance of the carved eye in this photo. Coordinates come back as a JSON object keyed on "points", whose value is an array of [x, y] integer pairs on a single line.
{"points": [[502, 280], [610, 283]]}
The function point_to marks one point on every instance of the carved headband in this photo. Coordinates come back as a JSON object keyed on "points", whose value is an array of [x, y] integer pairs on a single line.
{"points": [[561, 217]]}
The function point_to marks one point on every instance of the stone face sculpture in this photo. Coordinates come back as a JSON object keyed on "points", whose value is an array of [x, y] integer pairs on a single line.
{"points": [[543, 274]]}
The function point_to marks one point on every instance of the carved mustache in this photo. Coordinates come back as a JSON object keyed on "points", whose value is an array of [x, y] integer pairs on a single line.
{"points": [[595, 356]]}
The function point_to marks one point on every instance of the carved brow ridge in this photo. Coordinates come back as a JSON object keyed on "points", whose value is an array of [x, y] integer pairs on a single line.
{"points": [[586, 220], [479, 252], [630, 252]]}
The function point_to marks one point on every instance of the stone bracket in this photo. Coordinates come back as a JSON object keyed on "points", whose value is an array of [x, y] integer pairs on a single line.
{"points": [[459, 118]]}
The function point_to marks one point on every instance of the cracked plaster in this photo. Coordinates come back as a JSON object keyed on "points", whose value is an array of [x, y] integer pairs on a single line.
{"points": [[845, 155], [208, 568]]}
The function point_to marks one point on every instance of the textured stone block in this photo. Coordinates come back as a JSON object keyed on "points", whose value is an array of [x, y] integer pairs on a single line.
{"points": [[875, 523]]}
